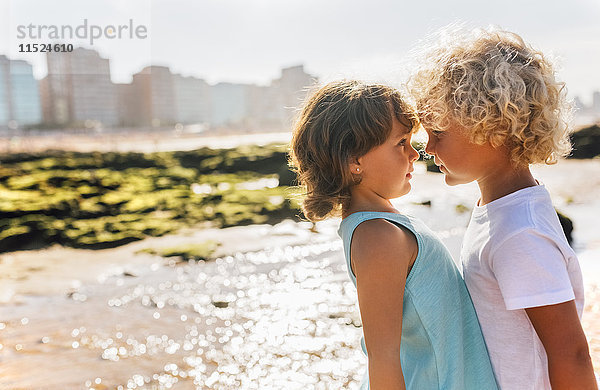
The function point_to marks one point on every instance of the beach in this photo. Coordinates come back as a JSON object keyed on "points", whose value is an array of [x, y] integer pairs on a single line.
{"points": [[135, 140], [276, 309]]}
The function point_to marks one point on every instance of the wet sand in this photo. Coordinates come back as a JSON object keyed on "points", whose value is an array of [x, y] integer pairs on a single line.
{"points": [[276, 310], [269, 316]]}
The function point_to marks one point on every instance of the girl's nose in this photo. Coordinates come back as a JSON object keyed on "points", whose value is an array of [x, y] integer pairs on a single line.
{"points": [[414, 154]]}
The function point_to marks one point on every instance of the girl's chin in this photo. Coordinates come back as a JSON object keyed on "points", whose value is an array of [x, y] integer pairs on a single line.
{"points": [[405, 190]]}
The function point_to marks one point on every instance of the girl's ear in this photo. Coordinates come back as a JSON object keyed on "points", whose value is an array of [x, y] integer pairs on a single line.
{"points": [[355, 167]]}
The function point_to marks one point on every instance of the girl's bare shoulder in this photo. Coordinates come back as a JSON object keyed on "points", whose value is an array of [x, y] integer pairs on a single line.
{"points": [[381, 243]]}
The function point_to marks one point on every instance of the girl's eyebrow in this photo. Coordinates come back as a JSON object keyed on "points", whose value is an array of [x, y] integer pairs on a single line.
{"points": [[403, 134]]}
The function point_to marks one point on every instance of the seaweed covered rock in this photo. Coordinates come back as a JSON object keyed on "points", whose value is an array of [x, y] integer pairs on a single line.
{"points": [[567, 225], [586, 142], [431, 167], [102, 200]]}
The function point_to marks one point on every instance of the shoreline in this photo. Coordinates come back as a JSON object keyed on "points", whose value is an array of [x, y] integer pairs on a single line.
{"points": [[57, 270], [138, 141]]}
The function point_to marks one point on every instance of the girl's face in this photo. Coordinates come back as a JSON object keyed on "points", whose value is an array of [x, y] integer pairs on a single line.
{"points": [[386, 169], [460, 160]]}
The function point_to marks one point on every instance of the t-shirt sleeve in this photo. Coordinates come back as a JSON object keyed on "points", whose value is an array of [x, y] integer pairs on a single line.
{"points": [[531, 271]]}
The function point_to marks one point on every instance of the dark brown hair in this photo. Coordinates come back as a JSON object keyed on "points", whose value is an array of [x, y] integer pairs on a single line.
{"points": [[341, 121]]}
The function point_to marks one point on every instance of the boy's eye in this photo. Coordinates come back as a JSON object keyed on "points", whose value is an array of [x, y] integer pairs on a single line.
{"points": [[437, 133], [402, 142]]}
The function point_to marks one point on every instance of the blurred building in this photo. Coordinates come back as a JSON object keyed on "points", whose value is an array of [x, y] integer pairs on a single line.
{"points": [[19, 94], [294, 84], [596, 102], [154, 92], [193, 100], [264, 108], [78, 89], [127, 105], [156, 97], [274, 107], [5, 103], [229, 104]]}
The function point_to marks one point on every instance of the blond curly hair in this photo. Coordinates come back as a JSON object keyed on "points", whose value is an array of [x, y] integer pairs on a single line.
{"points": [[341, 121], [496, 87]]}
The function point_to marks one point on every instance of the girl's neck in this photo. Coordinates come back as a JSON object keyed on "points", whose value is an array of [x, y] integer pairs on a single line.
{"points": [[367, 201], [503, 181]]}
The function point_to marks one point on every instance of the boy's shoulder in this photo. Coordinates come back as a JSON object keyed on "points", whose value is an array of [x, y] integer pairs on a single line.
{"points": [[529, 220], [529, 210]]}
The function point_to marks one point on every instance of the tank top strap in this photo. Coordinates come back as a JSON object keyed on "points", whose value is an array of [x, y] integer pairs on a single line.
{"points": [[351, 222]]}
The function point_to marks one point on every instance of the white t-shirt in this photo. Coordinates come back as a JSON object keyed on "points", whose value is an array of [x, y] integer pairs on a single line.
{"points": [[515, 256]]}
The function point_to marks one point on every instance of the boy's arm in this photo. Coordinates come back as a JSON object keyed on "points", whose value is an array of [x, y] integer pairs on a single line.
{"points": [[559, 329], [381, 254]]}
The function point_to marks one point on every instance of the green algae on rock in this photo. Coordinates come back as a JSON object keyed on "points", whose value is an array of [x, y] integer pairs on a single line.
{"points": [[102, 200]]}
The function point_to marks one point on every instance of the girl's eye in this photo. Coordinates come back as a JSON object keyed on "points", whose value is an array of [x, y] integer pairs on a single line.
{"points": [[437, 133], [402, 142]]}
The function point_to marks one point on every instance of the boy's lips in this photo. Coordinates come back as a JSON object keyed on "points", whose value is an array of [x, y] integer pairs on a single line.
{"points": [[440, 165]]}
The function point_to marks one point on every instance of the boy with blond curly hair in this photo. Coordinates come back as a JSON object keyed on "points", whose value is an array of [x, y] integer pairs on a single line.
{"points": [[491, 106]]}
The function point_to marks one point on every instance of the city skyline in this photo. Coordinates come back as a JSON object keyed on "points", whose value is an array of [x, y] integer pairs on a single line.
{"points": [[581, 101], [250, 41], [78, 92]]}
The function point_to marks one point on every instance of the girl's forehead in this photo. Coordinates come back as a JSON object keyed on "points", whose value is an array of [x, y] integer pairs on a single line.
{"points": [[399, 129]]}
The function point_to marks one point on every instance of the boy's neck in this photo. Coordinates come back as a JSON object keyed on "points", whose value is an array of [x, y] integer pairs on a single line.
{"points": [[503, 181]]}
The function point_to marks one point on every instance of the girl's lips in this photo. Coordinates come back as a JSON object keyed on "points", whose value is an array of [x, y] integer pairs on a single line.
{"points": [[409, 175]]}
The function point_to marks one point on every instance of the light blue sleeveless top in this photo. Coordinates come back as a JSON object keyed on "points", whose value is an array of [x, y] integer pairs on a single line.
{"points": [[442, 345]]}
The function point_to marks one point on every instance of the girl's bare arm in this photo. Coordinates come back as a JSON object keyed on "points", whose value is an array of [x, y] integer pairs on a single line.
{"points": [[381, 254]]}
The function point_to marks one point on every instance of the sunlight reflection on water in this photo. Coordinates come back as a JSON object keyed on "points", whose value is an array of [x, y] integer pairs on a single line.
{"points": [[281, 317]]}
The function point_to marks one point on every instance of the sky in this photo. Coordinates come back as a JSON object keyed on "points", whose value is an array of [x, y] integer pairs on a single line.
{"points": [[249, 41]]}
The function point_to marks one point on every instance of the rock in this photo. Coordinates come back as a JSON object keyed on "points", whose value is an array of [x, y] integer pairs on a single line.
{"points": [[586, 142], [567, 225], [431, 167]]}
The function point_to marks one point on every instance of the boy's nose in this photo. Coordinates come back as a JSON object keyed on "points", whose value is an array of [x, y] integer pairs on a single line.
{"points": [[430, 147]]}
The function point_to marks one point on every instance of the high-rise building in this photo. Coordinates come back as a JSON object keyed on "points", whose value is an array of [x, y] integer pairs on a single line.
{"points": [[265, 110], [154, 90], [596, 102], [256, 107], [578, 104], [192, 100], [5, 108], [229, 104], [19, 94], [78, 89], [127, 105], [293, 86]]}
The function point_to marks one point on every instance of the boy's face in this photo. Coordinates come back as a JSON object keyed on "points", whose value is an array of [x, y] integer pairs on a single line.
{"points": [[460, 160]]}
